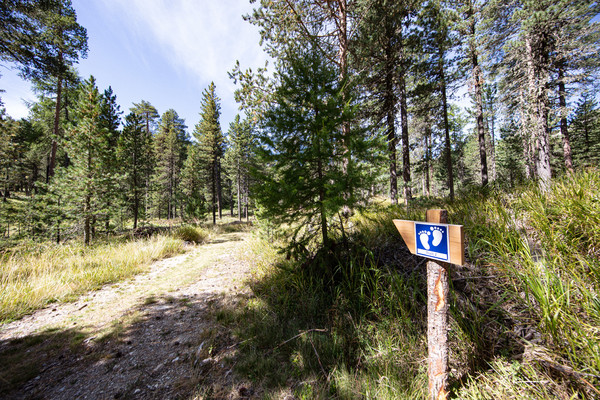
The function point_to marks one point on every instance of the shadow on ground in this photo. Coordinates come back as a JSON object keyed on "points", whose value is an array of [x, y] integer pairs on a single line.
{"points": [[168, 347]]}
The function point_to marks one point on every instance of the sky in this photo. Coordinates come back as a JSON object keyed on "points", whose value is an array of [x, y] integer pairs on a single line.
{"points": [[163, 51]]}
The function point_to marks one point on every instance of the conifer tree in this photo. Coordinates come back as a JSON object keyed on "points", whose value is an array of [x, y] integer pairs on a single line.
{"points": [[210, 141], [469, 28], [110, 115], [149, 116], [193, 184], [585, 132], [238, 159], [134, 147], [383, 55], [87, 142], [306, 181], [170, 145], [438, 41]]}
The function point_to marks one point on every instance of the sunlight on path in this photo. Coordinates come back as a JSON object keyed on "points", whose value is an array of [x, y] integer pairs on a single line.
{"points": [[208, 268]]}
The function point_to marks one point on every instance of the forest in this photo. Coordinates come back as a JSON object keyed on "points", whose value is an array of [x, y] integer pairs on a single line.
{"points": [[380, 77], [368, 110]]}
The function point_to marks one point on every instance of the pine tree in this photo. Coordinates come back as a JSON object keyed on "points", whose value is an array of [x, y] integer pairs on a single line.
{"points": [[383, 49], [134, 157], [585, 132], [149, 116], [8, 133], [544, 43], [110, 115], [469, 29], [325, 27], [438, 40], [193, 185], [57, 42], [88, 142], [210, 141], [306, 181], [170, 145], [239, 159]]}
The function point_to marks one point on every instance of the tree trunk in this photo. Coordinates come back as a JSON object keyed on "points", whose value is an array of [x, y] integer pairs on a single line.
{"points": [[427, 158], [447, 147], [405, 142], [219, 189], [538, 95], [86, 223], [136, 206], [246, 189], [214, 192], [54, 148], [389, 105], [563, 121], [492, 123], [542, 142], [6, 194], [392, 141], [478, 81], [230, 185], [239, 204], [322, 201]]}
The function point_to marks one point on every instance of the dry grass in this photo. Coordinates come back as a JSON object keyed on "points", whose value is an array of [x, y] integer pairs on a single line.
{"points": [[31, 279]]}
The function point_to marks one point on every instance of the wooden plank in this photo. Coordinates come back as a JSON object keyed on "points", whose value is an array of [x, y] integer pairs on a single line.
{"points": [[456, 236], [407, 231]]}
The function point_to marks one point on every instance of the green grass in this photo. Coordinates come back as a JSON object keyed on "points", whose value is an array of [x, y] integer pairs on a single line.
{"points": [[524, 315], [35, 276]]}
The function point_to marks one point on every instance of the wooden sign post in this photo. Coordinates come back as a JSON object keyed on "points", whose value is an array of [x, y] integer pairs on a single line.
{"points": [[445, 244]]}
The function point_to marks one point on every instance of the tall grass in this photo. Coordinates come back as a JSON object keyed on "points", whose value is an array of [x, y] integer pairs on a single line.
{"points": [[545, 249], [33, 278], [524, 316]]}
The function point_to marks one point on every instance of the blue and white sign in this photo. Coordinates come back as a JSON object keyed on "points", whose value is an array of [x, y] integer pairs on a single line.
{"points": [[432, 241]]}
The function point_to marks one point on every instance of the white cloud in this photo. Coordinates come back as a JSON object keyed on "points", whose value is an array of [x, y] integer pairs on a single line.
{"points": [[16, 93], [202, 38]]}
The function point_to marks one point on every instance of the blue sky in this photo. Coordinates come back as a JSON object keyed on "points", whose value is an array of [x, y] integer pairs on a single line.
{"points": [[162, 51]]}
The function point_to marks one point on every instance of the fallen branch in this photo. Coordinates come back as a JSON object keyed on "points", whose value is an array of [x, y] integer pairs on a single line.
{"points": [[318, 359], [297, 336]]}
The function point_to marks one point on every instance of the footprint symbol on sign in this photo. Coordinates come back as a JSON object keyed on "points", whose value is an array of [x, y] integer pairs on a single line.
{"points": [[437, 235], [424, 238]]}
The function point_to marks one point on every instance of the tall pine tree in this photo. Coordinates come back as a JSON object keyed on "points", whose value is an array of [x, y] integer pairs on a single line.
{"points": [[210, 141], [88, 143], [170, 146]]}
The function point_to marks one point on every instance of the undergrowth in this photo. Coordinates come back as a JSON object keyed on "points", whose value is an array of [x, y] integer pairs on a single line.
{"points": [[524, 316]]}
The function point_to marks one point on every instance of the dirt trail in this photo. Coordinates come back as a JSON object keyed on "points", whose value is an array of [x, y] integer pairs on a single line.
{"points": [[152, 337]]}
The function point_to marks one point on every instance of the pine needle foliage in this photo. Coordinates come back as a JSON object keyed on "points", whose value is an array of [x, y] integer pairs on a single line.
{"points": [[209, 136], [306, 182], [84, 181]]}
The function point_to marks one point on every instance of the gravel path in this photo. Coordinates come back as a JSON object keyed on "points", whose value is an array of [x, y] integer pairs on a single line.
{"points": [[152, 337]]}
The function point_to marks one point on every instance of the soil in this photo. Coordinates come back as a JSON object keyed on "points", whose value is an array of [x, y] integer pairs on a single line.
{"points": [[156, 336]]}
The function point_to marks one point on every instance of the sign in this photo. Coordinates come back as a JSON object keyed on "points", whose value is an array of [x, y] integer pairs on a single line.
{"points": [[432, 241], [441, 242]]}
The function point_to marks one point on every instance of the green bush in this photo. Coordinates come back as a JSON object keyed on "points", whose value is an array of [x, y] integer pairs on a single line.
{"points": [[192, 234]]}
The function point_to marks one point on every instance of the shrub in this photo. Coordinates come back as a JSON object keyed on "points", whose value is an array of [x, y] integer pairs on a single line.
{"points": [[192, 234]]}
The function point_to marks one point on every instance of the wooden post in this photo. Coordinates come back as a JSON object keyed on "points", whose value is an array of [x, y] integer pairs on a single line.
{"points": [[437, 319]]}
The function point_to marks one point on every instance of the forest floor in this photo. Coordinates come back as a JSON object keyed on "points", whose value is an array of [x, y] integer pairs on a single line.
{"points": [[155, 336]]}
